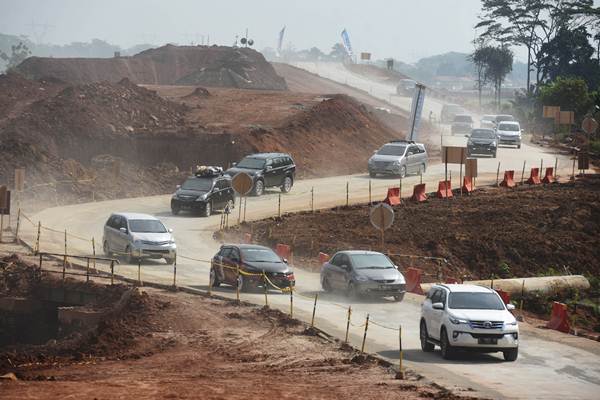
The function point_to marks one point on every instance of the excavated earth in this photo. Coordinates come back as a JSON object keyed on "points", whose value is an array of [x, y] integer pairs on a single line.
{"points": [[176, 345]]}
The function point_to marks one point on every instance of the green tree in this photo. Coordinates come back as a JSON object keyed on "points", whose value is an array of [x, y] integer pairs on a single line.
{"points": [[569, 93], [496, 62], [338, 52], [19, 53]]}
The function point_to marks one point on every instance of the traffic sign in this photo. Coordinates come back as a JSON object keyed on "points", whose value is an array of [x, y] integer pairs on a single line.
{"points": [[242, 183], [589, 125], [382, 216]]}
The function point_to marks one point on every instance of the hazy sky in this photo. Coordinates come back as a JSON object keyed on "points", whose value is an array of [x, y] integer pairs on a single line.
{"points": [[405, 29]]}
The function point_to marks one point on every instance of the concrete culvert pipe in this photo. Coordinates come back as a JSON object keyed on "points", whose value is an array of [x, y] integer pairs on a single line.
{"points": [[545, 284]]}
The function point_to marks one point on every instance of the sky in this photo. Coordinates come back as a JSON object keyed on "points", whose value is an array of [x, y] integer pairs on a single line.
{"points": [[404, 29]]}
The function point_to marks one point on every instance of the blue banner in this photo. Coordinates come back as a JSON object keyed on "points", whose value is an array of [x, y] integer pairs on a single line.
{"points": [[347, 44]]}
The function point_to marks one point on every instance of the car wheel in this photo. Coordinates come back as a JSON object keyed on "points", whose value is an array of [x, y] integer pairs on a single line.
{"points": [[445, 346], [399, 297], [175, 210], [518, 146], [424, 336], [214, 279], [511, 355], [494, 155], [106, 249], [287, 184], [259, 188], [241, 283], [326, 285], [372, 175], [403, 171], [207, 210]]}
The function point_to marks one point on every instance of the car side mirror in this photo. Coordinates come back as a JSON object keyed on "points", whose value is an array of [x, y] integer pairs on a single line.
{"points": [[170, 230], [124, 230], [285, 260], [233, 164], [178, 187], [510, 307], [268, 167], [522, 130], [438, 306]]}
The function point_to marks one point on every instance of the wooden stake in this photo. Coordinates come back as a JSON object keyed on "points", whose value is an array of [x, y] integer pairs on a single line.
{"points": [[362, 347], [312, 321]]}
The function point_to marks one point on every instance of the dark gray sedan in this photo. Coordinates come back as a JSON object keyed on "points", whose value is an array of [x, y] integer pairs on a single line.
{"points": [[358, 272]]}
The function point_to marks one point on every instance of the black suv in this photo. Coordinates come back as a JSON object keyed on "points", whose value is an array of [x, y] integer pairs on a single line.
{"points": [[267, 170], [209, 189]]}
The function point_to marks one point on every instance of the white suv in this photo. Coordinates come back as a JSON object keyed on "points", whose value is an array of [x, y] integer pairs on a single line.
{"points": [[468, 317]]}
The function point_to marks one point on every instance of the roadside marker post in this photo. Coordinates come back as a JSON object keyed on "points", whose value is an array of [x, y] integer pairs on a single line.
{"points": [[291, 302], [65, 258], [370, 201], [87, 270], [18, 225], [556, 167], [140, 273], [362, 347], [347, 193], [400, 374], [348, 323], [94, 252], [312, 199], [266, 289], [237, 286], [498, 175], [112, 272], [39, 231], [541, 165], [523, 173], [312, 321], [245, 206], [175, 272], [279, 206]]}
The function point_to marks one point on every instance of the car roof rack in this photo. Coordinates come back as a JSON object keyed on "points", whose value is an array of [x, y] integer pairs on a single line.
{"points": [[205, 171], [402, 141]]}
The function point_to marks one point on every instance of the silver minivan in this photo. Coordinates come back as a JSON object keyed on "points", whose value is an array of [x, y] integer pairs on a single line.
{"points": [[135, 236], [399, 157]]}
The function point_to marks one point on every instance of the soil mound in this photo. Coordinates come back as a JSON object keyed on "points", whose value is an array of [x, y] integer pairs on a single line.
{"points": [[214, 66]]}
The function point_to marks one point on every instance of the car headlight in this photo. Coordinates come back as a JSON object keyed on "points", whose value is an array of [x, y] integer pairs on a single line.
{"points": [[400, 279], [137, 242], [202, 197], [512, 323], [457, 321], [361, 278], [493, 144], [396, 163], [371, 161]]}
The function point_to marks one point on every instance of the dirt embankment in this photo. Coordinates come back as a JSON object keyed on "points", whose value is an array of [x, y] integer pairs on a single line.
{"points": [[494, 232], [214, 66], [175, 345], [120, 139]]}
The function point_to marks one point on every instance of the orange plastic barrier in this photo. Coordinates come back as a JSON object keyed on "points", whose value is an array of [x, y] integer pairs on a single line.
{"points": [[323, 257], [505, 296], [534, 177], [467, 184], [393, 196], [283, 250], [509, 179], [247, 238], [444, 189], [413, 280], [560, 319], [549, 176], [419, 193]]}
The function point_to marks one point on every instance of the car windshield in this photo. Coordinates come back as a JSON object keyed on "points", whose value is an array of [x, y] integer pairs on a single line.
{"points": [[146, 226], [260, 255], [371, 261], [509, 127], [199, 184], [252, 163], [475, 301], [391, 150], [463, 118], [483, 134]]}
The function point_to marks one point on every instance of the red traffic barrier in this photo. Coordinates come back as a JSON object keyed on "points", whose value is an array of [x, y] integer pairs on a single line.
{"points": [[393, 196], [413, 280], [509, 179], [283, 250], [419, 193], [559, 319], [534, 177], [247, 238], [323, 257], [444, 189], [549, 176], [467, 184], [505, 296]]}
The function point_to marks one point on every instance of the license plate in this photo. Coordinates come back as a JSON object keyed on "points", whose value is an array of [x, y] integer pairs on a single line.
{"points": [[386, 287], [487, 341]]}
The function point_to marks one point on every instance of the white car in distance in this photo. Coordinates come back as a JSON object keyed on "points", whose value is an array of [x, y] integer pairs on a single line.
{"points": [[468, 317]]}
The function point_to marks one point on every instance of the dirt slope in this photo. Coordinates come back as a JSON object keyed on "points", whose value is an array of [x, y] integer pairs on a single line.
{"points": [[217, 66]]}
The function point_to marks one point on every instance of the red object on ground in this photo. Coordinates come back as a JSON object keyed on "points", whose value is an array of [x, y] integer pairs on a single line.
{"points": [[549, 176], [393, 196], [534, 177], [419, 193], [559, 319], [505, 296], [247, 238], [444, 189], [467, 184], [451, 281], [283, 250], [323, 257], [509, 179], [413, 280]]}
